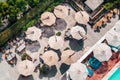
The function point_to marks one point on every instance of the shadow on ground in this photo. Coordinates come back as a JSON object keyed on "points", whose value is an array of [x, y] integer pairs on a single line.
{"points": [[64, 67], [51, 73], [76, 45], [25, 78], [1, 56]]}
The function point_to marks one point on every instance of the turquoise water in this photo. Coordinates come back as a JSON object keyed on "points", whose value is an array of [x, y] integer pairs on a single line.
{"points": [[116, 75]]}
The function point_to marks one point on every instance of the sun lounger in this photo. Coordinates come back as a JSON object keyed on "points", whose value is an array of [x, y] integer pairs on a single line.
{"points": [[115, 49], [94, 63], [10, 56], [90, 72]]}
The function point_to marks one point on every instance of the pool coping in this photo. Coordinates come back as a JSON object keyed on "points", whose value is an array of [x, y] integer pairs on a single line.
{"points": [[110, 73]]}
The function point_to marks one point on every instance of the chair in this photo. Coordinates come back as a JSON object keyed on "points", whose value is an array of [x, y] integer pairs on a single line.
{"points": [[95, 63]]}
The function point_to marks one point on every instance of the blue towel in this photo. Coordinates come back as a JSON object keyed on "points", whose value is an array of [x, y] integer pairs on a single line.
{"points": [[95, 63], [90, 72]]}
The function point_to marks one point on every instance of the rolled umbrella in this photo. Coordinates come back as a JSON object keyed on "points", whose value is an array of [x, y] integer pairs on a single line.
{"points": [[56, 42], [69, 57], [33, 33], [78, 71], [102, 52], [50, 58], [113, 38], [61, 11], [77, 32], [48, 18], [26, 67]]}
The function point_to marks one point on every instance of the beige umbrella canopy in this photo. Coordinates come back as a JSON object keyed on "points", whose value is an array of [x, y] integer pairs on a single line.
{"points": [[78, 71], [113, 38], [81, 17], [50, 58], [69, 57], [77, 32], [61, 11], [48, 18], [33, 33], [85, 15], [26, 67], [102, 52], [56, 42], [70, 21], [117, 26]]}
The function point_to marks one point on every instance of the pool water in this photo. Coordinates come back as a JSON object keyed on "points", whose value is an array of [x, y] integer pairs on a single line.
{"points": [[116, 75]]}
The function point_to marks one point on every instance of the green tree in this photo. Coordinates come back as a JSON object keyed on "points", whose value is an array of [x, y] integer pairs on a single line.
{"points": [[108, 5], [0, 22], [11, 2], [13, 14], [21, 4], [33, 3], [4, 8]]}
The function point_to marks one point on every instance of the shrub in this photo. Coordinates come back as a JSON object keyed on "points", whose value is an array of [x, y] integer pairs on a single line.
{"points": [[58, 33], [29, 24], [44, 69], [24, 57], [67, 48]]}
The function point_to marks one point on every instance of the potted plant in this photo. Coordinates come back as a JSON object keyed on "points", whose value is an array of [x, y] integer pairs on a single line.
{"points": [[44, 69], [58, 33]]}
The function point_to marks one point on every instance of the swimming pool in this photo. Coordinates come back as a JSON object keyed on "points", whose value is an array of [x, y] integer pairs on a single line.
{"points": [[115, 75]]}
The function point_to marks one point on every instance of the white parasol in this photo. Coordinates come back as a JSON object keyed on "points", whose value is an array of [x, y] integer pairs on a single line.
{"points": [[61, 11], [26, 67], [102, 52], [33, 33], [48, 18], [78, 71], [50, 58], [77, 32], [56, 42]]}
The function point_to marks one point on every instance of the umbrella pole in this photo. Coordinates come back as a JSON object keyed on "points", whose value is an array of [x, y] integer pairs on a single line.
{"points": [[46, 18], [81, 13], [55, 38], [71, 55], [80, 34]]}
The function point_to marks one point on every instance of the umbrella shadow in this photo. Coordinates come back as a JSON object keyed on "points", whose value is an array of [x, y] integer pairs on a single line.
{"points": [[76, 45], [97, 30], [64, 67], [1, 56], [33, 47], [60, 25], [25, 78], [47, 31], [51, 72]]}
